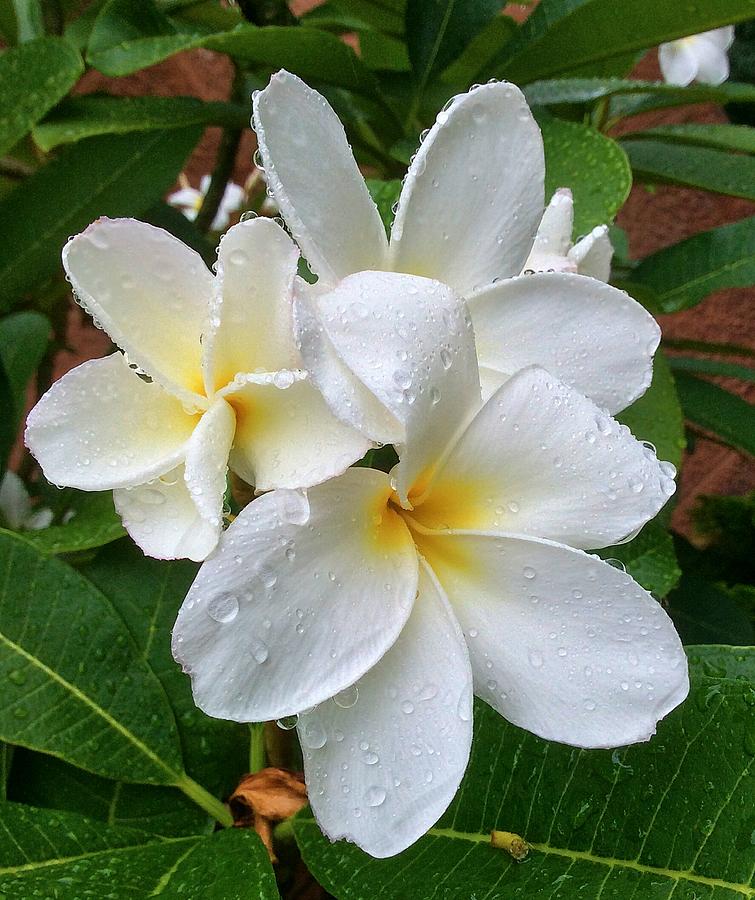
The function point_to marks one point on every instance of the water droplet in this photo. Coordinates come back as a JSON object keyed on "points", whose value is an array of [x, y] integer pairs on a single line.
{"points": [[446, 358], [293, 507], [407, 707], [313, 735], [259, 651], [535, 658], [224, 608], [529, 572], [375, 796], [287, 723], [370, 757], [347, 697], [589, 705], [17, 677]]}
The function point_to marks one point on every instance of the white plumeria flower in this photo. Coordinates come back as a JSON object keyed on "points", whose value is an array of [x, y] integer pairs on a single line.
{"points": [[189, 200], [375, 606], [553, 251], [16, 509], [467, 216], [700, 57], [224, 386]]}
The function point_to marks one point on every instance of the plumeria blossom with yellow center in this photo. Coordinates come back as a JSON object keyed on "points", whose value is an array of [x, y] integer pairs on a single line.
{"points": [[553, 251], [208, 375], [697, 57], [377, 609], [467, 216], [189, 200]]}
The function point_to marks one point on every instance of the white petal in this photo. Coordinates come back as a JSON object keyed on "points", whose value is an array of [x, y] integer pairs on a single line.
{"points": [[251, 327], [473, 197], [286, 437], [188, 197], [561, 643], [592, 336], [721, 37], [410, 342], [678, 61], [381, 771], [322, 195], [593, 254], [149, 292], [553, 238], [207, 461], [101, 426], [162, 518], [15, 505], [540, 459], [303, 596], [712, 61]]}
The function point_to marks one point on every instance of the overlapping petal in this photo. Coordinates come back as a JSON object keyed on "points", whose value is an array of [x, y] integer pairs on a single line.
{"points": [[101, 426], [553, 239], [592, 254], [384, 759], [712, 62], [561, 643], [313, 178], [591, 335], [303, 596], [409, 341], [286, 436], [473, 196], [207, 461], [149, 291], [250, 323], [541, 459], [678, 61]]}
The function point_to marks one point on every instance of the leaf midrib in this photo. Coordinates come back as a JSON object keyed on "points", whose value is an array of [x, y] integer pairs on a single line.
{"points": [[706, 276]]}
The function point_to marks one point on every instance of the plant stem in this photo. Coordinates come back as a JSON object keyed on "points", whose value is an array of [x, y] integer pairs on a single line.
{"points": [[224, 163], [206, 801], [257, 756]]}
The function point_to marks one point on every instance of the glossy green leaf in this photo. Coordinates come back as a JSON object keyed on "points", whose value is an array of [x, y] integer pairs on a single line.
{"points": [[125, 40], [383, 52], [722, 661], [69, 857], [147, 593], [711, 367], [739, 138], [353, 15], [31, 24], [113, 175], [657, 415], [563, 34], [90, 520], [708, 612], [23, 341], [673, 815], [682, 275], [33, 77], [479, 51], [698, 167], [385, 194], [592, 165], [437, 31], [556, 91], [48, 782], [74, 685], [82, 117], [714, 409], [649, 558]]}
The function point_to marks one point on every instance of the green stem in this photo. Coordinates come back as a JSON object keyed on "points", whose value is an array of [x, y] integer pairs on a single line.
{"points": [[206, 801], [224, 163], [256, 747]]}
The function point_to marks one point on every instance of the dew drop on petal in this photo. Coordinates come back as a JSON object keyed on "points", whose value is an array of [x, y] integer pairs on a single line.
{"points": [[347, 697], [313, 735], [224, 608], [375, 796], [287, 723]]}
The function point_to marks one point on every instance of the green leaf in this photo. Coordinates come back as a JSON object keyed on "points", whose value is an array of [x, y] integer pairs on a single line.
{"points": [[711, 367], [682, 275], [714, 409], [33, 77], [82, 117], [385, 194], [69, 857], [437, 31], [382, 52], [90, 521], [556, 91], [23, 341], [7, 421], [353, 15], [479, 51], [41, 780], [673, 815], [113, 175], [74, 684], [740, 138], [657, 415], [592, 165], [30, 19], [563, 34], [721, 661], [125, 40], [649, 558], [707, 612], [147, 593], [698, 167]]}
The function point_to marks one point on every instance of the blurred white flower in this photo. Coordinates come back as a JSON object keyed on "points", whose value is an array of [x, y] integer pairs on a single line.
{"points": [[553, 250], [189, 201], [209, 377], [700, 57], [16, 508]]}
